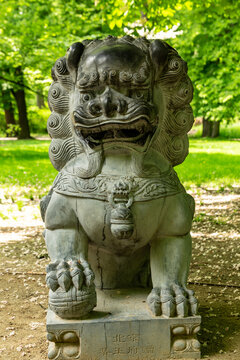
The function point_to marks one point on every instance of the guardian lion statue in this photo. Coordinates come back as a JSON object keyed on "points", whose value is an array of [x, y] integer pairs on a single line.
{"points": [[117, 215]]}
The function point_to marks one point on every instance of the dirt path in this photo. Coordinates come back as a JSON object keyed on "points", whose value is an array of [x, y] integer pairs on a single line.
{"points": [[216, 261]]}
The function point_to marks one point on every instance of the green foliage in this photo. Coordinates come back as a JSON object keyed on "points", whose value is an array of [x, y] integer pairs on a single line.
{"points": [[13, 130], [38, 119], [34, 33], [135, 15], [230, 131], [210, 45]]}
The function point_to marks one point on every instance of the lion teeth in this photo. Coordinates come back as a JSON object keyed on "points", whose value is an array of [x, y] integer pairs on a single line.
{"points": [[132, 131]]}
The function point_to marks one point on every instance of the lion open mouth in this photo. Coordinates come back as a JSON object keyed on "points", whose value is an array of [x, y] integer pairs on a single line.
{"points": [[136, 131]]}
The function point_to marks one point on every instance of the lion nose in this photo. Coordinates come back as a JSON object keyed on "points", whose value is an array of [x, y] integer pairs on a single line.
{"points": [[111, 104]]}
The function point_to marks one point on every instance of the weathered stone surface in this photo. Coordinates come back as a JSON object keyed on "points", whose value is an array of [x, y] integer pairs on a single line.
{"points": [[122, 328], [117, 215]]}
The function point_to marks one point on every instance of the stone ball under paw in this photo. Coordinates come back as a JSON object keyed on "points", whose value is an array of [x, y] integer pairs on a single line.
{"points": [[73, 304]]}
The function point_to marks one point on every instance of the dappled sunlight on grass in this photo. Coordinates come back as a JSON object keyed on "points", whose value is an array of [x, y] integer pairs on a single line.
{"points": [[214, 163], [25, 168], [216, 146]]}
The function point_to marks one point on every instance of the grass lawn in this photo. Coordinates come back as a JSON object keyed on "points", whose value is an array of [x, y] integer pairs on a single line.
{"points": [[26, 169], [214, 163]]}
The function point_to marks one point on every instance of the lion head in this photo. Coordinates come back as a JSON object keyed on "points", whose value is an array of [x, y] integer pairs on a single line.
{"points": [[126, 92]]}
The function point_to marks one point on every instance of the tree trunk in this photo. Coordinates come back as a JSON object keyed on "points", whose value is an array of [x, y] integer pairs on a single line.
{"points": [[9, 116], [210, 128], [215, 129], [40, 101], [207, 128], [8, 107], [22, 108], [22, 113]]}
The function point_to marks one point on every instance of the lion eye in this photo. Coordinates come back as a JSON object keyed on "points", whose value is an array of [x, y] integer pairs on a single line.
{"points": [[86, 97], [138, 94], [135, 94]]}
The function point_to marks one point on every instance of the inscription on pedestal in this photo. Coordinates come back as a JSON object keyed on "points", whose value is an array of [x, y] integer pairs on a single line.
{"points": [[123, 337], [128, 347], [129, 339]]}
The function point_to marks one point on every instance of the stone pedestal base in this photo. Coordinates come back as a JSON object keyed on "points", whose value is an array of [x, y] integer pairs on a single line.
{"points": [[122, 328]]}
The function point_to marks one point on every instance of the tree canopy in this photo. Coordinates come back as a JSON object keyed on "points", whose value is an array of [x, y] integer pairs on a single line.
{"points": [[33, 34], [210, 44]]}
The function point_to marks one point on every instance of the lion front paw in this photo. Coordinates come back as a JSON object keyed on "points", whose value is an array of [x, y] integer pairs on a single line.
{"points": [[172, 301], [72, 292], [65, 274]]}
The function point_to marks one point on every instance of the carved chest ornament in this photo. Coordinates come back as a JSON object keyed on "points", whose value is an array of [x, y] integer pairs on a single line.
{"points": [[106, 188], [120, 194], [121, 218]]}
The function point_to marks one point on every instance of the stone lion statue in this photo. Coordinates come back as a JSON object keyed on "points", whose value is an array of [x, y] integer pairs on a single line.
{"points": [[117, 215]]}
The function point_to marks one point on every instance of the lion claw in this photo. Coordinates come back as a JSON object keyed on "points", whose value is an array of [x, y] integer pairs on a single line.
{"points": [[154, 303], [192, 302], [172, 301], [51, 280], [69, 273], [63, 276], [89, 275], [168, 306], [51, 277], [181, 306]]}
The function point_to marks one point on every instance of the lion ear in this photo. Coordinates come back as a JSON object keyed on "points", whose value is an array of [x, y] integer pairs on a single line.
{"points": [[73, 56], [159, 54]]}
